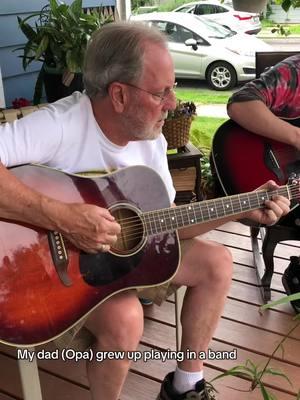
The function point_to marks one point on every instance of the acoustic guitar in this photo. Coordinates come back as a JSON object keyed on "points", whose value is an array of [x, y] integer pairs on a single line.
{"points": [[47, 285], [242, 160]]}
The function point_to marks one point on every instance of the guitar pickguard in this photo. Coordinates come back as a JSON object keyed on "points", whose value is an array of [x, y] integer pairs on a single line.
{"points": [[105, 268], [272, 163]]}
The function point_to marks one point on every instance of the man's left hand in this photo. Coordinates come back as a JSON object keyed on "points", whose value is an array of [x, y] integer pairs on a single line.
{"points": [[274, 209]]}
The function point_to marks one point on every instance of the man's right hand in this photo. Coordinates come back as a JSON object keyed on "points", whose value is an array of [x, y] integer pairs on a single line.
{"points": [[88, 227]]}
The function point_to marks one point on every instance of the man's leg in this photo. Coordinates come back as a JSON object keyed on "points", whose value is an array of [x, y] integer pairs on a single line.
{"points": [[117, 326], [206, 269]]}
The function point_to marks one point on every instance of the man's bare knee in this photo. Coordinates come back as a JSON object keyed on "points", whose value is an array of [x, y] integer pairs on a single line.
{"points": [[118, 324], [220, 264]]}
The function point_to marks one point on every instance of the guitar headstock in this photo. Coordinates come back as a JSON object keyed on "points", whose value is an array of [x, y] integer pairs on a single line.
{"points": [[294, 186]]}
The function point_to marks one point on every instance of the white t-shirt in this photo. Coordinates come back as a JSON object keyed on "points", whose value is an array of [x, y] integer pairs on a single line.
{"points": [[66, 136]]}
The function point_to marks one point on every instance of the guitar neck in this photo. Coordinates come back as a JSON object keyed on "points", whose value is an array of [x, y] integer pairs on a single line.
{"points": [[170, 219]]}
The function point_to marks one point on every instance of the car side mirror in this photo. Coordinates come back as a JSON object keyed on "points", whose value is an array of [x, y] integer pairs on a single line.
{"points": [[192, 42]]}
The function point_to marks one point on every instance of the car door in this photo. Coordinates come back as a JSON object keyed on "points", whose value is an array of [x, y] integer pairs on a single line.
{"points": [[187, 62]]}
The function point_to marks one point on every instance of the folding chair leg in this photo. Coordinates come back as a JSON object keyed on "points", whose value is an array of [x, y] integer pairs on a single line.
{"points": [[30, 379], [179, 295]]}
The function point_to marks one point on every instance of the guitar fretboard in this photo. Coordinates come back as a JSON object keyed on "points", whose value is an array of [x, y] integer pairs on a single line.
{"points": [[169, 219]]}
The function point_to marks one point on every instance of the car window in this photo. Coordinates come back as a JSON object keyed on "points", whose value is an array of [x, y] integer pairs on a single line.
{"points": [[214, 30], [188, 9], [220, 9], [205, 9], [175, 33], [167, 28], [185, 34]]}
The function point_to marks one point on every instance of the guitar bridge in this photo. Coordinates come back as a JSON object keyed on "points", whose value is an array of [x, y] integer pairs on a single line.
{"points": [[59, 256]]}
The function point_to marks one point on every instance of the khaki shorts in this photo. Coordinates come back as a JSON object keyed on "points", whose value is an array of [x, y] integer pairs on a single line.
{"points": [[80, 338]]}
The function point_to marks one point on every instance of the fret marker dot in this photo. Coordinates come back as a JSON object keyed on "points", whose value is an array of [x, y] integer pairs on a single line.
{"points": [[227, 205], [161, 220], [173, 218], [192, 220], [244, 202], [212, 209]]}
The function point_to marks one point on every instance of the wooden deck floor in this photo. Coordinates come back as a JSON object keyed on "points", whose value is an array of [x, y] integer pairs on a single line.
{"points": [[242, 330]]}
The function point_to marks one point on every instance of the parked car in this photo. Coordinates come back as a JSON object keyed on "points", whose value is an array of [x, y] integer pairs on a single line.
{"points": [[224, 14], [203, 49]]}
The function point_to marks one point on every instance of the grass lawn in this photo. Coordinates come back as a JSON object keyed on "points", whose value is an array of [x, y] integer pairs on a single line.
{"points": [[202, 96], [203, 130], [292, 29]]}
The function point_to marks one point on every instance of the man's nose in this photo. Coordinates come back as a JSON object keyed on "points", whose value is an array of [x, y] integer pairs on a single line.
{"points": [[170, 102]]}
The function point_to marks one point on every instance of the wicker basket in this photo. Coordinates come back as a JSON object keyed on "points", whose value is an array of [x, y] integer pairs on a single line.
{"points": [[177, 131]]}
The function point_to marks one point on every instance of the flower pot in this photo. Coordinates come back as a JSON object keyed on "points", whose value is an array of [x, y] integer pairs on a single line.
{"points": [[54, 87], [177, 131], [255, 6]]}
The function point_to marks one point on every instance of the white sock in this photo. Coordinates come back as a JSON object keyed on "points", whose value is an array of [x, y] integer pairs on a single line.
{"points": [[184, 381]]}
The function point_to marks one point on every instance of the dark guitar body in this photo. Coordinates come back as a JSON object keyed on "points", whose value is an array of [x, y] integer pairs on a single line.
{"points": [[36, 305], [242, 160]]}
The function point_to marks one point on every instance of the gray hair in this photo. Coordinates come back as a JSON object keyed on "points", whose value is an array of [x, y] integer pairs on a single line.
{"points": [[115, 53]]}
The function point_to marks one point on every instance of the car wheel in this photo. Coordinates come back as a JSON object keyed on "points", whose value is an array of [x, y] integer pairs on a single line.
{"points": [[221, 76]]}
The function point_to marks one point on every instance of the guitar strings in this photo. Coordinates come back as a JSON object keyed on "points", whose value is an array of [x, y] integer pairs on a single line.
{"points": [[129, 221], [138, 233], [292, 191], [185, 220]]}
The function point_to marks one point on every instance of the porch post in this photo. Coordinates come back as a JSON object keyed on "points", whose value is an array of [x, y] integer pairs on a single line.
{"points": [[124, 9]]}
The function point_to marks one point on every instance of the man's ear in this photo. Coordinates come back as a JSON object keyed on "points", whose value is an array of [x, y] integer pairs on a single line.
{"points": [[118, 96]]}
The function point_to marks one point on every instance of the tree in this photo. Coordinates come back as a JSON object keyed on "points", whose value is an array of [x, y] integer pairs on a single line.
{"points": [[287, 4]]}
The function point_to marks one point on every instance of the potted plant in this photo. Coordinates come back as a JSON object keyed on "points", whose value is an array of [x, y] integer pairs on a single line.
{"points": [[58, 39], [177, 126]]}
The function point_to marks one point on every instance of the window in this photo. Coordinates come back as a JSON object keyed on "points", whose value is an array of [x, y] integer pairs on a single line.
{"points": [[188, 9], [205, 9], [175, 33]]}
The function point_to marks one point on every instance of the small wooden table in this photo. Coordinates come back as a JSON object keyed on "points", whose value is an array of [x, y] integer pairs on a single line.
{"points": [[187, 157]]}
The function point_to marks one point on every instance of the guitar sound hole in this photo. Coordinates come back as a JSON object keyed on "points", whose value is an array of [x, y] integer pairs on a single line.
{"points": [[132, 235]]}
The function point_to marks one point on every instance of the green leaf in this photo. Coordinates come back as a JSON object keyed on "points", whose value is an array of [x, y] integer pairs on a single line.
{"points": [[286, 4], [239, 371], [54, 6], [284, 300], [27, 30], [28, 55], [42, 47], [76, 8], [38, 89], [264, 391], [275, 372]]}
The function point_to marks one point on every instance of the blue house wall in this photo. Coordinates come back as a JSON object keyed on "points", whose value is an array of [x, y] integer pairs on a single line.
{"points": [[16, 81]]}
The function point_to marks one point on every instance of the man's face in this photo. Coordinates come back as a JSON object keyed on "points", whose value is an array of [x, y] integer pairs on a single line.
{"points": [[152, 96]]}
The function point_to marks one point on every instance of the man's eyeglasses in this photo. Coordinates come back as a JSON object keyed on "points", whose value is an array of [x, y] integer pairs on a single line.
{"points": [[161, 96]]}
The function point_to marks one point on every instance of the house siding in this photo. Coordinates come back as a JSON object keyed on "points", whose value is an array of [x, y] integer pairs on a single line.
{"points": [[16, 81], [279, 16]]}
